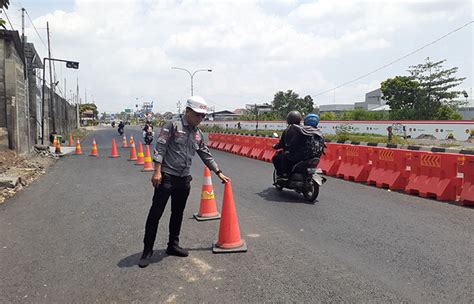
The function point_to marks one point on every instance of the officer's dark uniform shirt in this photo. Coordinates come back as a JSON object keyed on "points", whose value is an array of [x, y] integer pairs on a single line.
{"points": [[176, 146]]}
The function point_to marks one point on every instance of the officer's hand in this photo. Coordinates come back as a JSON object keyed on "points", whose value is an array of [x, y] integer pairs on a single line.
{"points": [[223, 178], [156, 178]]}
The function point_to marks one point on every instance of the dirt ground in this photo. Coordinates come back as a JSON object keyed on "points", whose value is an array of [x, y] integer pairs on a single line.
{"points": [[22, 170]]}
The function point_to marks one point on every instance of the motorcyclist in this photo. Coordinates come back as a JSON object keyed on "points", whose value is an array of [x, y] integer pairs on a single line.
{"points": [[120, 127], [113, 124], [148, 127], [148, 133], [289, 143]]}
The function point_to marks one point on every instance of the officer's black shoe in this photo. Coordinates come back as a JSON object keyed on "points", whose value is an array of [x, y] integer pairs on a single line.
{"points": [[177, 251], [145, 259]]}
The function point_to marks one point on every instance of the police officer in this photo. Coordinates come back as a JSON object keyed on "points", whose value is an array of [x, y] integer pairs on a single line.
{"points": [[175, 147]]}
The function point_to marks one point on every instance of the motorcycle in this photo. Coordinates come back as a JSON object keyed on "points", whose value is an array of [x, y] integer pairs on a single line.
{"points": [[303, 178], [120, 131], [148, 137]]}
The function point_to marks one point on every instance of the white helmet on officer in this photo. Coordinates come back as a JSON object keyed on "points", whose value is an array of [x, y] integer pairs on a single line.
{"points": [[197, 104]]}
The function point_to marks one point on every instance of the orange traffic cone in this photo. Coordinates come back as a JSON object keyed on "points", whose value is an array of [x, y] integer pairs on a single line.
{"points": [[229, 232], [58, 146], [124, 141], [55, 141], [114, 153], [133, 152], [94, 149], [140, 158], [70, 140], [78, 147], [132, 141], [208, 209], [148, 164]]}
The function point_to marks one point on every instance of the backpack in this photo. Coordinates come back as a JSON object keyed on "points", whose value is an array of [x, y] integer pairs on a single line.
{"points": [[314, 146]]}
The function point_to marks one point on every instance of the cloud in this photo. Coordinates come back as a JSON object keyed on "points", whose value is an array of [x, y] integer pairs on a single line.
{"points": [[255, 47]]}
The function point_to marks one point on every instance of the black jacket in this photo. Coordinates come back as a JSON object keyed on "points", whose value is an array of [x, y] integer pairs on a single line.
{"points": [[293, 141]]}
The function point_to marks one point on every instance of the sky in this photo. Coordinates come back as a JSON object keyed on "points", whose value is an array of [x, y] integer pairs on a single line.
{"points": [[255, 48]]}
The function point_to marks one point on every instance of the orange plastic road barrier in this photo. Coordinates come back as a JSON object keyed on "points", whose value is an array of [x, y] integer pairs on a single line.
{"points": [[140, 157], [355, 164], [247, 146], [132, 141], [467, 194], [94, 151], [148, 164], [222, 142], [389, 168], [237, 144], [330, 160], [133, 151], [114, 152], [229, 232], [434, 175], [258, 147], [71, 143], [229, 139], [268, 151], [208, 209], [210, 140], [124, 141], [78, 147]]}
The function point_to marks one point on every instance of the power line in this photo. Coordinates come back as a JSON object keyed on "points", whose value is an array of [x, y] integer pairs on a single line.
{"points": [[35, 29], [5, 12], [395, 61]]}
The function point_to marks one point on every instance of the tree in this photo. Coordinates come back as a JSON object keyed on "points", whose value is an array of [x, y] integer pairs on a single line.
{"points": [[88, 106], [446, 112], [422, 94], [3, 6], [284, 102], [400, 94]]}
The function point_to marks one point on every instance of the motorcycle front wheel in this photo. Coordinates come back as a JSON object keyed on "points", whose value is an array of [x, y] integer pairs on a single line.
{"points": [[311, 190]]}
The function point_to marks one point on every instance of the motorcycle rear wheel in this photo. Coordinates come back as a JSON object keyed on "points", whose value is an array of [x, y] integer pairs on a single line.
{"points": [[278, 186], [311, 191]]}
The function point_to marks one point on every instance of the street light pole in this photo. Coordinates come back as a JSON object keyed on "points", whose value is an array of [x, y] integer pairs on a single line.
{"points": [[69, 64], [192, 75]]}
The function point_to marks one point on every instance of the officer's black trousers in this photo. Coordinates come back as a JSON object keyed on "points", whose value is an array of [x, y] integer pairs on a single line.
{"points": [[178, 188]]}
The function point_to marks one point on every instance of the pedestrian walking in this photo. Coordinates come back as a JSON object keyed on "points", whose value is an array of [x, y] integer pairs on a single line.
{"points": [[174, 150]]}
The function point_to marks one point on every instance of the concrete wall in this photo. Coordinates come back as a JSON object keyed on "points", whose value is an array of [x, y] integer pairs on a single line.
{"points": [[21, 102]]}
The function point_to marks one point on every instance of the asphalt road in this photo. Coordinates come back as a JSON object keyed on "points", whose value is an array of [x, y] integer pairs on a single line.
{"points": [[75, 235]]}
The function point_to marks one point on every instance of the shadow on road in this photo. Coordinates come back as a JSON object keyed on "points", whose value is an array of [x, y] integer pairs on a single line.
{"points": [[283, 196], [133, 259], [158, 256]]}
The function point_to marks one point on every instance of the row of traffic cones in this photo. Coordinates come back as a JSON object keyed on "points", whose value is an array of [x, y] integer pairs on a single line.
{"points": [[229, 232], [140, 158]]}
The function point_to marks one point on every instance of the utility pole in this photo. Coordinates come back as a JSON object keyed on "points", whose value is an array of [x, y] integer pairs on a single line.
{"points": [[78, 116], [27, 97], [178, 105], [51, 89]]}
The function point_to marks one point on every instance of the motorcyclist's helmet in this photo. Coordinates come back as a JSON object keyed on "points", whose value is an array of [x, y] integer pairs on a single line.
{"points": [[294, 117], [311, 120]]}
